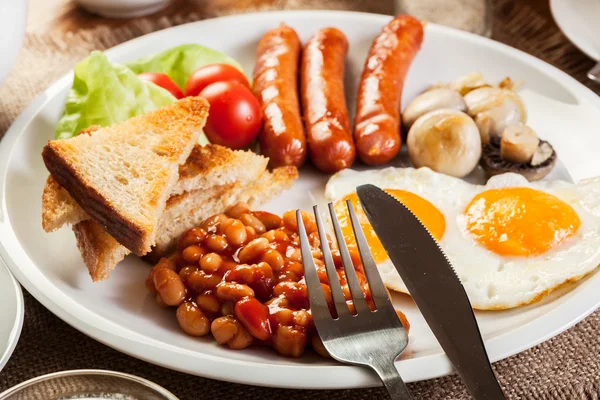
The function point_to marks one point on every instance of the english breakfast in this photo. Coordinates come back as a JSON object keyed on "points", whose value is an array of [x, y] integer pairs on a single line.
{"points": [[178, 173]]}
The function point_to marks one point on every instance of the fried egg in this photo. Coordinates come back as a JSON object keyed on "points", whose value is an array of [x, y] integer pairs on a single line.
{"points": [[510, 241]]}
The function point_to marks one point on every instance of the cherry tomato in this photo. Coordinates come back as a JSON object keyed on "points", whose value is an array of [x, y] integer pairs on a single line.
{"points": [[212, 73], [234, 118], [163, 81]]}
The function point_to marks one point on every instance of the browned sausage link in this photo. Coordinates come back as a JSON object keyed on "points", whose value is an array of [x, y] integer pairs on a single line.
{"points": [[282, 138], [377, 122], [330, 143]]}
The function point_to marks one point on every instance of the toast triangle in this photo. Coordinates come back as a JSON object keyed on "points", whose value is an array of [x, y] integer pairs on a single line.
{"points": [[122, 175]]}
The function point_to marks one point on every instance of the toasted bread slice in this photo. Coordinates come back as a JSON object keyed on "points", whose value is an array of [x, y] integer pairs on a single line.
{"points": [[58, 207], [188, 210], [101, 252], [207, 166], [214, 165], [122, 175]]}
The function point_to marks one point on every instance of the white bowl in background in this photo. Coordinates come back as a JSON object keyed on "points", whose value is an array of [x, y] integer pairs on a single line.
{"points": [[123, 8], [13, 19]]}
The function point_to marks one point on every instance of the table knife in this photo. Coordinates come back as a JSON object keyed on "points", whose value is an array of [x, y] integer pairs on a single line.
{"points": [[435, 288]]}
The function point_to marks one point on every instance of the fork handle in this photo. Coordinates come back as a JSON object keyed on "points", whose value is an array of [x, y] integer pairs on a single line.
{"points": [[392, 381]]}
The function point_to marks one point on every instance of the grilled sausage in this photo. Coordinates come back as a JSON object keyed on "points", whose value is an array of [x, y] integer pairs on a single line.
{"points": [[377, 121], [282, 138], [330, 143]]}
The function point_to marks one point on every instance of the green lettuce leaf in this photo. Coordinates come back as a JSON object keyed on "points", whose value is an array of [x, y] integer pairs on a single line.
{"points": [[181, 61], [104, 93]]}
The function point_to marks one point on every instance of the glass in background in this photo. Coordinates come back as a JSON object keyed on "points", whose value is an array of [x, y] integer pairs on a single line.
{"points": [[469, 15]]}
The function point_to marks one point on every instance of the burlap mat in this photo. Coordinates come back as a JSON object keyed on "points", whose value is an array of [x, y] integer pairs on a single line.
{"points": [[566, 367]]}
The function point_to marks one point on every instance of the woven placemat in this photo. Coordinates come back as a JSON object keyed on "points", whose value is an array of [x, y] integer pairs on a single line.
{"points": [[565, 367]]}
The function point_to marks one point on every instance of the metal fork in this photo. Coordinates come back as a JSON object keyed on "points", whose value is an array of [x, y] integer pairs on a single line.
{"points": [[368, 338]]}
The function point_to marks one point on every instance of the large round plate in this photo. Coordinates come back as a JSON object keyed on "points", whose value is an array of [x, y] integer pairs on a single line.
{"points": [[11, 313], [121, 314], [579, 21]]}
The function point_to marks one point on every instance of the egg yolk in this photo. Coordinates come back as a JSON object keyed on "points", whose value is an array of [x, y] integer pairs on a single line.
{"points": [[426, 212], [520, 221]]}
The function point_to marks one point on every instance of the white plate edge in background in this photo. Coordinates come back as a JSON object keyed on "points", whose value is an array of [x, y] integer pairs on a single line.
{"points": [[556, 7], [20, 315]]}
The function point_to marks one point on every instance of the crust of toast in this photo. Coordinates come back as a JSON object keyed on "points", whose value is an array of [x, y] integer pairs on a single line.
{"points": [[101, 252], [171, 131], [189, 210], [207, 166]]}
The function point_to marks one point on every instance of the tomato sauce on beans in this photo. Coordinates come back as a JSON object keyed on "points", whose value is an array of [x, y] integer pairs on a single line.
{"points": [[239, 276]]}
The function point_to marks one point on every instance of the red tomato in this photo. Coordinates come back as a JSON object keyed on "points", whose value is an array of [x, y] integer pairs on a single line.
{"points": [[163, 80], [234, 118], [212, 73]]}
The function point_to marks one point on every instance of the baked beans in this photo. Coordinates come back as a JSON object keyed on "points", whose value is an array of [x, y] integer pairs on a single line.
{"points": [[208, 302], [192, 236], [169, 286], [185, 271], [191, 254], [191, 320], [236, 233], [211, 262], [231, 291], [238, 209], [253, 250], [239, 276], [270, 221], [251, 221], [227, 330]]}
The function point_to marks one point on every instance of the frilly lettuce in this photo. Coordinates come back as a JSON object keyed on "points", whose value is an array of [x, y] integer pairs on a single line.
{"points": [[181, 61], [105, 93]]}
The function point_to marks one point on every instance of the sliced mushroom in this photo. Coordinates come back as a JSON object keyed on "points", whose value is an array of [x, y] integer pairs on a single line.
{"points": [[446, 141], [431, 100], [467, 83], [509, 84], [543, 160], [493, 109], [518, 144], [543, 153]]}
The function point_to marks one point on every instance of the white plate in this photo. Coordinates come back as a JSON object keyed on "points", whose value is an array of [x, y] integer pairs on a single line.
{"points": [[11, 313], [580, 22], [121, 314]]}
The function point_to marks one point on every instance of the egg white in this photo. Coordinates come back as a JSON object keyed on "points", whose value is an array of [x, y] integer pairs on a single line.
{"points": [[492, 281]]}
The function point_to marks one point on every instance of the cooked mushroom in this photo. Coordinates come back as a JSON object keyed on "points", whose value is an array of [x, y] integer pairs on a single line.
{"points": [[519, 151], [446, 141], [493, 109], [518, 144], [431, 100], [469, 82], [509, 84]]}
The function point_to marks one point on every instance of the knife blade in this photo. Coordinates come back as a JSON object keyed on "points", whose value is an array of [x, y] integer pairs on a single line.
{"points": [[434, 286]]}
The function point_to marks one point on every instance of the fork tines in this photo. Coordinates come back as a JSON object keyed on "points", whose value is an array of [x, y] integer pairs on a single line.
{"points": [[316, 295], [368, 338]]}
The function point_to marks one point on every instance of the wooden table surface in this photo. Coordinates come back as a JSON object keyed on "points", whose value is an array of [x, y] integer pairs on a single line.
{"points": [[64, 15]]}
